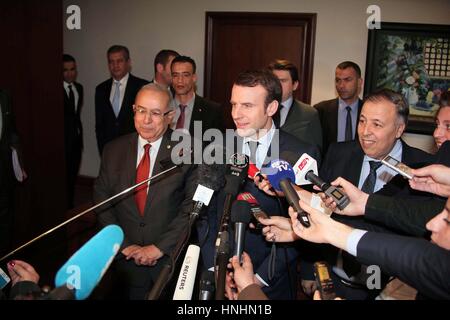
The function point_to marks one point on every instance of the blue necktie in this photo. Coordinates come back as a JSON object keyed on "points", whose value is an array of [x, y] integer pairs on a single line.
{"points": [[116, 99]]}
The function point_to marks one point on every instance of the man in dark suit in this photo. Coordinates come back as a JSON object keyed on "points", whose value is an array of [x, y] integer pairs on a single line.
{"points": [[9, 144], [255, 98], [339, 117], [114, 98], [163, 73], [293, 116], [73, 130], [383, 118], [191, 110], [152, 218]]}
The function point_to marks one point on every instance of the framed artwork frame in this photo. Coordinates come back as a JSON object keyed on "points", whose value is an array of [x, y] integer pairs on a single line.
{"points": [[413, 59]]}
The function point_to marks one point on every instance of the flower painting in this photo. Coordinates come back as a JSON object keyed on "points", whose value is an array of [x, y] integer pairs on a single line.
{"points": [[413, 60]]}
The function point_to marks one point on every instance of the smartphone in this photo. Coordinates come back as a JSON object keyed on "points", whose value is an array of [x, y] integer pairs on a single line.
{"points": [[339, 197], [4, 279], [397, 166], [324, 282], [258, 213]]}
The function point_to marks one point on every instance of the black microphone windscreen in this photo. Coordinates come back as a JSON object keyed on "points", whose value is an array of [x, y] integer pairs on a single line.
{"points": [[237, 170], [211, 175], [207, 281], [240, 212]]}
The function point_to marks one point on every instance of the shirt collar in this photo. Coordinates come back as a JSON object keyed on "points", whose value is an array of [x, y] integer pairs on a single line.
{"points": [[266, 139], [396, 152], [155, 145], [66, 84], [288, 103], [189, 104], [123, 80], [343, 105]]}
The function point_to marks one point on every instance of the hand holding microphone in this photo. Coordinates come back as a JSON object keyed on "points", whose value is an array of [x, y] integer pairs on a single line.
{"points": [[306, 172], [281, 178], [357, 199]]}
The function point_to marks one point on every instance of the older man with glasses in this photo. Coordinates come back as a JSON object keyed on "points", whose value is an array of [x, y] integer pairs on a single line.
{"points": [[155, 214]]}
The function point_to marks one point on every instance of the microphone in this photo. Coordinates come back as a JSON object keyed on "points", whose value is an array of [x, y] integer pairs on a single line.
{"points": [[305, 170], [237, 171], [83, 271], [186, 279], [210, 178], [281, 179], [254, 172], [255, 209], [240, 216], [206, 285]]}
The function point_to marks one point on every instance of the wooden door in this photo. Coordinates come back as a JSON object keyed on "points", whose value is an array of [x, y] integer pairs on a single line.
{"points": [[238, 41]]}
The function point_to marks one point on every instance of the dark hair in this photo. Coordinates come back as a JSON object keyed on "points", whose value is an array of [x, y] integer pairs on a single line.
{"points": [[444, 100], [397, 99], [118, 48], [286, 65], [185, 59], [266, 79], [68, 58], [163, 56], [350, 64]]}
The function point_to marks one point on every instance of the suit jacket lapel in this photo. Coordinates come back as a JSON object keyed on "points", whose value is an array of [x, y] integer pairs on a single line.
{"points": [[126, 96], [165, 149], [334, 124], [292, 116], [355, 164], [130, 169], [196, 114]]}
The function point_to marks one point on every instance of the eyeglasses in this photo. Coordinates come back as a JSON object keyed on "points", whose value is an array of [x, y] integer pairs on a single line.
{"points": [[141, 112], [442, 126]]}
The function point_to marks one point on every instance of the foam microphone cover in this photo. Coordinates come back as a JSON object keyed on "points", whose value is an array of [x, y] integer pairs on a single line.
{"points": [[240, 212], [84, 270], [281, 170]]}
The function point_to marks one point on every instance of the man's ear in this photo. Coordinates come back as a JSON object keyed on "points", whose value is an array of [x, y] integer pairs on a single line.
{"points": [[159, 67], [400, 130], [272, 108], [295, 85]]}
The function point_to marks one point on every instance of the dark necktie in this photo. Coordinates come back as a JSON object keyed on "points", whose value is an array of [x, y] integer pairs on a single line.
{"points": [[142, 173], [277, 117], [369, 184], [71, 98], [180, 121], [348, 125], [253, 146], [349, 263]]}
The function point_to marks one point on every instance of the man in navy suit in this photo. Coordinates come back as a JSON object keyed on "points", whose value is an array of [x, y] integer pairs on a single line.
{"points": [[255, 98], [73, 130], [114, 98], [383, 119], [339, 116]]}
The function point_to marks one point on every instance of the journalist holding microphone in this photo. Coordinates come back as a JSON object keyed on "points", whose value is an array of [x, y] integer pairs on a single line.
{"points": [[418, 262]]}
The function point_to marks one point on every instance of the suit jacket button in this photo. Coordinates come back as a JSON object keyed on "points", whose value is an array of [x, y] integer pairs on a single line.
{"points": [[142, 225]]}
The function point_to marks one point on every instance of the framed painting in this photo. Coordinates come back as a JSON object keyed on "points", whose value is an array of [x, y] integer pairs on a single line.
{"points": [[413, 59]]}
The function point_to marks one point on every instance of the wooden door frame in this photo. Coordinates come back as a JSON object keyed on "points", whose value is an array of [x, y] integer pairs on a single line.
{"points": [[306, 20]]}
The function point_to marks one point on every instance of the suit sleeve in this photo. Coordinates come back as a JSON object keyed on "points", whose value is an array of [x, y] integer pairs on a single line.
{"points": [[106, 214], [406, 215], [417, 262], [178, 226], [99, 126], [290, 255]]}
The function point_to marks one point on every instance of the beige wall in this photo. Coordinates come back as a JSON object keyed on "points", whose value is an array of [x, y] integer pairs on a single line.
{"points": [[148, 26]]}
